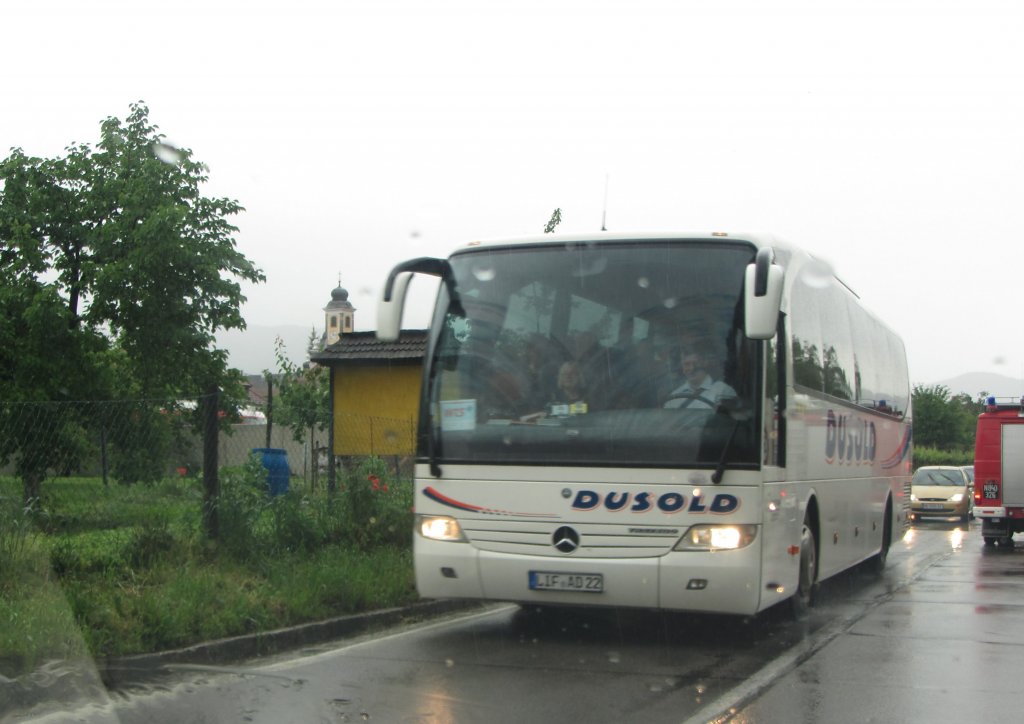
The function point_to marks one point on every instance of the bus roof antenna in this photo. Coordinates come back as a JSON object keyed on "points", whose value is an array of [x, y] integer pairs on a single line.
{"points": [[604, 211]]}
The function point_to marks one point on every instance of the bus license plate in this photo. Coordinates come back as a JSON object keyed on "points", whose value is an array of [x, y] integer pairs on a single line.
{"points": [[559, 581]]}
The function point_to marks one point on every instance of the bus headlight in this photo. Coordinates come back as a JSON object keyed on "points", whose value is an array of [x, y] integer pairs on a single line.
{"points": [[439, 527], [717, 537]]}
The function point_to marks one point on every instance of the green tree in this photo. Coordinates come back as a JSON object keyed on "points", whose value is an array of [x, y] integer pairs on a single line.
{"points": [[41, 360], [45, 357], [117, 245], [166, 263], [303, 401], [943, 421]]}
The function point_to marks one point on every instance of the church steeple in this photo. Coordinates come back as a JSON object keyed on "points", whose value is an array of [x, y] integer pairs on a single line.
{"points": [[339, 315]]}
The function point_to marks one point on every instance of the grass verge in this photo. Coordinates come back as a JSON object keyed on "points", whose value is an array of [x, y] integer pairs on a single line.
{"points": [[107, 571]]}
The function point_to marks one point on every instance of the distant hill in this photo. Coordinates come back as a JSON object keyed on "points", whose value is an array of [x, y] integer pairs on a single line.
{"points": [[252, 349], [974, 383]]}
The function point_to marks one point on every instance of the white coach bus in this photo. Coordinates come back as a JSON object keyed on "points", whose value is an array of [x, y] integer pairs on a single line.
{"points": [[700, 422]]}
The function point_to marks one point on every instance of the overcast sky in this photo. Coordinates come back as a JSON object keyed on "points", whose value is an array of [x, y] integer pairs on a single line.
{"points": [[885, 136]]}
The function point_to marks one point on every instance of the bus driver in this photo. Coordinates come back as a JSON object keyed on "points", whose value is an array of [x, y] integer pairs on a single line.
{"points": [[700, 391]]}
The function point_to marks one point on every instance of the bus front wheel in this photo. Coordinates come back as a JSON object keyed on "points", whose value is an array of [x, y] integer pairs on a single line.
{"points": [[807, 582]]}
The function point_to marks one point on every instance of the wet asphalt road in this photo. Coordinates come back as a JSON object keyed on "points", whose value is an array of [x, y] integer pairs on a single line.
{"points": [[939, 637], [949, 647]]}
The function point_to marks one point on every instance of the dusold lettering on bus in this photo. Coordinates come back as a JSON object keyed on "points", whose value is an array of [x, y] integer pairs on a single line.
{"points": [[849, 439], [670, 502]]}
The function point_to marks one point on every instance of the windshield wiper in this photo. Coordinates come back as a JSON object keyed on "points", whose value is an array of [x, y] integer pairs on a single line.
{"points": [[433, 433], [716, 477], [433, 451], [739, 414], [434, 438]]}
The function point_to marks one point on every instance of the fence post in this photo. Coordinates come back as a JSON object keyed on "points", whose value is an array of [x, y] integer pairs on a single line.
{"points": [[270, 407], [211, 480], [332, 479], [103, 449]]}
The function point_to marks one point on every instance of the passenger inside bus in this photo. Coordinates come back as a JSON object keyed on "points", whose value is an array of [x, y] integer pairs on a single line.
{"points": [[541, 363], [595, 362], [569, 396], [699, 391], [571, 386]]}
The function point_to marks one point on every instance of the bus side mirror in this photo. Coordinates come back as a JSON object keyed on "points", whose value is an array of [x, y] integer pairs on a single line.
{"points": [[762, 295], [390, 306], [392, 300]]}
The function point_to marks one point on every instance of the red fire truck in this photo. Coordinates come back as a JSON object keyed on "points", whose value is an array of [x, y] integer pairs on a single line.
{"points": [[999, 471]]}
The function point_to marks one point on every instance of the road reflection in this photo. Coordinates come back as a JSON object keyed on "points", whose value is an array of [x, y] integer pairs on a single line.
{"points": [[957, 530]]}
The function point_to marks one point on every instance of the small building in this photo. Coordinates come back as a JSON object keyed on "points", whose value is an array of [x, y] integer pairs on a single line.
{"points": [[375, 386]]}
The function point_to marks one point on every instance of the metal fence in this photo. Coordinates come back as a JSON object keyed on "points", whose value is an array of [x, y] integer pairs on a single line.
{"points": [[143, 441]]}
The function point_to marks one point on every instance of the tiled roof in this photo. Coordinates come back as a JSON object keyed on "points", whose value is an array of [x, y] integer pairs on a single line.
{"points": [[364, 346]]}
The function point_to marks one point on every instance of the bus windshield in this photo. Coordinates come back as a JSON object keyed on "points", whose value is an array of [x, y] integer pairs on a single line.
{"points": [[594, 354]]}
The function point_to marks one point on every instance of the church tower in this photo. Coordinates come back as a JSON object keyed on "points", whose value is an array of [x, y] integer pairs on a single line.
{"points": [[339, 315]]}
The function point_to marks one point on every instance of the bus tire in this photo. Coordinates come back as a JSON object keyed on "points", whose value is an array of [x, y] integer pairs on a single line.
{"points": [[807, 581]]}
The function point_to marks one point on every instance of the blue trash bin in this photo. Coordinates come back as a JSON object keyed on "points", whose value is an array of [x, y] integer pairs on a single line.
{"points": [[275, 460]]}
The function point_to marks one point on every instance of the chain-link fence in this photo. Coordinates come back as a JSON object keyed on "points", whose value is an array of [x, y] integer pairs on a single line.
{"points": [[130, 442]]}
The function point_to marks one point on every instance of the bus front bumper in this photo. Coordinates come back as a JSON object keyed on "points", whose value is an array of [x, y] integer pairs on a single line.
{"points": [[705, 581]]}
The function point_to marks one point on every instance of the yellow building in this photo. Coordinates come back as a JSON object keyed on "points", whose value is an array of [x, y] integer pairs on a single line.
{"points": [[375, 391]]}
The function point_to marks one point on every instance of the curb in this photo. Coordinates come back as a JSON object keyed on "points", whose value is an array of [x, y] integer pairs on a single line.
{"points": [[119, 670], [63, 686]]}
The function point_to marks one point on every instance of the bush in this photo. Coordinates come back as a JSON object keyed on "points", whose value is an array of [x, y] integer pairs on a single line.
{"points": [[379, 507], [255, 525], [141, 446], [292, 524], [21, 555], [107, 552], [934, 456], [151, 544], [243, 498]]}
